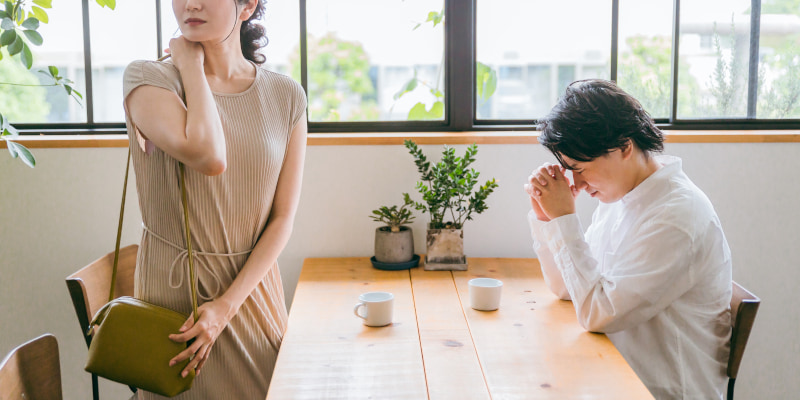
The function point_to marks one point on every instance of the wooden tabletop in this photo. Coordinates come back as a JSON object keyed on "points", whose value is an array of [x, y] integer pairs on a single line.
{"points": [[438, 347]]}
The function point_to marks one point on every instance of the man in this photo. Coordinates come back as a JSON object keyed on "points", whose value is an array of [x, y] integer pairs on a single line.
{"points": [[653, 270]]}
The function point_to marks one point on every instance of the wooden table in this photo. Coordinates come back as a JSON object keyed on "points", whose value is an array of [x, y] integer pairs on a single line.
{"points": [[438, 347]]}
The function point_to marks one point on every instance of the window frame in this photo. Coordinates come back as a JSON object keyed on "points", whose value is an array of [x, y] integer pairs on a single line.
{"points": [[459, 77]]}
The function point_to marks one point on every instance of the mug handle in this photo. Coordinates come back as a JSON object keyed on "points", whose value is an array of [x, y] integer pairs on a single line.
{"points": [[355, 311]]}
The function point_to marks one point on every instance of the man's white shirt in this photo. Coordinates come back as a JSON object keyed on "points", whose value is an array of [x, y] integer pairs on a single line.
{"points": [[653, 272]]}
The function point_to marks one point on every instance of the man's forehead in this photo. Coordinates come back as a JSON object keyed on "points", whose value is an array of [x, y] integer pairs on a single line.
{"points": [[569, 163]]}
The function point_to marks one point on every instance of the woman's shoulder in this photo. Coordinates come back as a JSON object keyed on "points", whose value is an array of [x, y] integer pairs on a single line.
{"points": [[145, 67], [162, 74], [280, 80]]}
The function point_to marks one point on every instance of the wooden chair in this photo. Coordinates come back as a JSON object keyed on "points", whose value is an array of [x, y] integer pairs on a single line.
{"points": [[32, 371], [743, 313], [89, 289]]}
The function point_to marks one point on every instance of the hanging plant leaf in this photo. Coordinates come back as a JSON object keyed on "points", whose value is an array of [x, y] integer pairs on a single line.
{"points": [[34, 37], [44, 3], [40, 14], [22, 152], [31, 23], [27, 56], [409, 86], [420, 112], [7, 23], [8, 37], [16, 46], [107, 3]]}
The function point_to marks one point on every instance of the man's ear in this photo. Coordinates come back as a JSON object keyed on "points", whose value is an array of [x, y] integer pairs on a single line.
{"points": [[627, 149]]}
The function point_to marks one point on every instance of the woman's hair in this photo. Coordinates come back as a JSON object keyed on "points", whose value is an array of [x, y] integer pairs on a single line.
{"points": [[595, 117], [252, 35]]}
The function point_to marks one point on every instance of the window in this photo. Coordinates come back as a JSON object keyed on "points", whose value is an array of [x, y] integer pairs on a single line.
{"points": [[537, 50], [447, 65], [645, 48]]}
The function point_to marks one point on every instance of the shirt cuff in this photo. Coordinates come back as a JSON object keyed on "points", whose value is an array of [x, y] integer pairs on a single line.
{"points": [[559, 231]]}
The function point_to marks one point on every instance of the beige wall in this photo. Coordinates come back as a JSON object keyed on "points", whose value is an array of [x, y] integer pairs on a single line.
{"points": [[62, 214]]}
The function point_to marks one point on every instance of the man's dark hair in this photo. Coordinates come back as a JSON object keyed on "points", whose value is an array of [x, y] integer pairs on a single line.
{"points": [[595, 117]]}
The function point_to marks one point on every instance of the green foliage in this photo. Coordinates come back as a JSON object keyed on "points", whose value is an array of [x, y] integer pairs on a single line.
{"points": [[780, 7], [435, 17], [19, 24], [433, 109], [727, 84], [394, 217], [781, 98], [447, 187], [645, 72], [486, 81], [337, 69], [22, 103], [17, 150]]}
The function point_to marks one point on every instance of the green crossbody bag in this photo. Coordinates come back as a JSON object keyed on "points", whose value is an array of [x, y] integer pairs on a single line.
{"points": [[130, 342]]}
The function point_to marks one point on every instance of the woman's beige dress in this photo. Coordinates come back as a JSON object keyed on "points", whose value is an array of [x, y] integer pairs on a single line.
{"points": [[227, 214]]}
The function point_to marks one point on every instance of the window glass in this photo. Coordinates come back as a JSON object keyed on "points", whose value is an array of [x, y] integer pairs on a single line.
{"points": [[374, 60], [282, 24], [779, 61], [526, 58], [645, 52], [118, 37], [714, 54], [63, 48]]}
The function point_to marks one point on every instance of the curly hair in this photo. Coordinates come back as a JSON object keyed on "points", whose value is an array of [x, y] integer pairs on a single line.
{"points": [[595, 117], [253, 36]]}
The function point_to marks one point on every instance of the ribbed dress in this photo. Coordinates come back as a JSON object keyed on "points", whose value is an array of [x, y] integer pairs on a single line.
{"points": [[227, 214]]}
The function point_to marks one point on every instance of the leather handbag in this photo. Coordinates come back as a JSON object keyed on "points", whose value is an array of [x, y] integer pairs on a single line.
{"points": [[130, 342]]}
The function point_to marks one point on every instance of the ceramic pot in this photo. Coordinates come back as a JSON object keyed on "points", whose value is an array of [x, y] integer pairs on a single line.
{"points": [[394, 247]]}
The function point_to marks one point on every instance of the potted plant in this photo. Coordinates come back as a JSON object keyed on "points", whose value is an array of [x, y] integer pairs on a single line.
{"points": [[394, 242], [448, 196]]}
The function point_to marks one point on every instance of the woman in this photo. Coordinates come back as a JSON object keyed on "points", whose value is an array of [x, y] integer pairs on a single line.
{"points": [[653, 270], [241, 132]]}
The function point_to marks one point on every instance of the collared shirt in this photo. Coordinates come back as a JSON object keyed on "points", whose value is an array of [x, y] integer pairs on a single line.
{"points": [[653, 272]]}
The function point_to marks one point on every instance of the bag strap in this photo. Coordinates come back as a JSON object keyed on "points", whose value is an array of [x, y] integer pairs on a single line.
{"points": [[188, 235]]}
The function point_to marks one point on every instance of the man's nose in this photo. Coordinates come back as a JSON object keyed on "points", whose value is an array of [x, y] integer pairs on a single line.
{"points": [[578, 180]]}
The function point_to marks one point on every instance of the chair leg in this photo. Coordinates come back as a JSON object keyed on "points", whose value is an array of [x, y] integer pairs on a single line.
{"points": [[730, 388], [95, 388]]}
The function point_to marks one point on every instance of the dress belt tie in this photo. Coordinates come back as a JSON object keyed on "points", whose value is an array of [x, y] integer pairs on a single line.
{"points": [[181, 263]]}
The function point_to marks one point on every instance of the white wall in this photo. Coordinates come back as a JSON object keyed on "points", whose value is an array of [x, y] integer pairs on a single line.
{"points": [[62, 215]]}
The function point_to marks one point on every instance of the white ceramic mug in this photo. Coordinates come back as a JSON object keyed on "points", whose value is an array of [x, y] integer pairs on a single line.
{"points": [[377, 308], [484, 293]]}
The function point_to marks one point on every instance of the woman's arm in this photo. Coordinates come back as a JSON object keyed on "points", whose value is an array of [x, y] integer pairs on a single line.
{"points": [[190, 133], [215, 315]]}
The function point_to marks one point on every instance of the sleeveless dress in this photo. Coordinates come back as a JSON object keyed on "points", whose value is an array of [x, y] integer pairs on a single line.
{"points": [[227, 214]]}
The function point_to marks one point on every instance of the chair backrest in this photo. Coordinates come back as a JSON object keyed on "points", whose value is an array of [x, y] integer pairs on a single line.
{"points": [[32, 371], [90, 285], [744, 306]]}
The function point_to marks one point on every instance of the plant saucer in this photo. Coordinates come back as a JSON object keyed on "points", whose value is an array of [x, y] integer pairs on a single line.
{"points": [[396, 266]]}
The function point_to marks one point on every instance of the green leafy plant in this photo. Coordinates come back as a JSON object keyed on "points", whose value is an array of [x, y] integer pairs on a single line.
{"points": [[393, 217], [338, 70], [19, 24], [485, 79], [447, 187]]}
